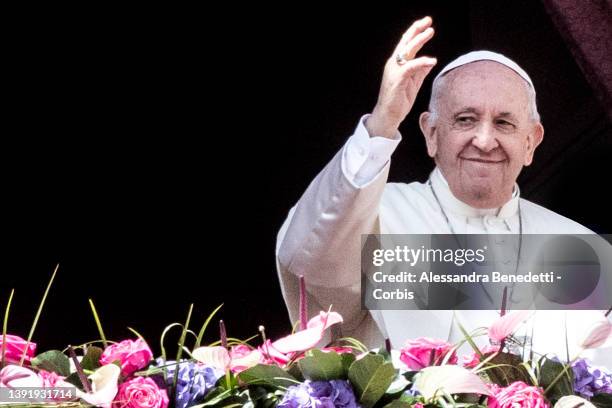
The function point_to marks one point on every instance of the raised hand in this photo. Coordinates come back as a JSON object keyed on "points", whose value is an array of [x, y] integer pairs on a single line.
{"points": [[402, 78]]}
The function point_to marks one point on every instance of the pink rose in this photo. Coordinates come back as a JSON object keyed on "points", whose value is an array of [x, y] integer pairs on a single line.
{"points": [[243, 357], [140, 392], [14, 349], [517, 394], [417, 354], [50, 379], [133, 355], [418, 405], [472, 360]]}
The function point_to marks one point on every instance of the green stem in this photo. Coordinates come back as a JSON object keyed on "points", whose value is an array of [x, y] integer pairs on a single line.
{"points": [[228, 379], [5, 325], [98, 323], [179, 352], [558, 377], [38, 312]]}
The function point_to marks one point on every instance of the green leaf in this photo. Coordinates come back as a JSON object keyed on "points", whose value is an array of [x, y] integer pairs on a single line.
{"points": [[370, 377], [320, 366], [395, 390], [229, 378], [397, 404], [267, 374], [509, 369], [204, 326], [37, 316], [347, 360], [179, 351], [91, 360], [5, 327], [98, 322], [54, 361], [602, 400], [411, 400], [74, 380], [294, 370], [549, 371]]}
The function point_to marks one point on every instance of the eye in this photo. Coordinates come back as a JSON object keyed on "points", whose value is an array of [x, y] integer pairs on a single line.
{"points": [[465, 120], [505, 124]]}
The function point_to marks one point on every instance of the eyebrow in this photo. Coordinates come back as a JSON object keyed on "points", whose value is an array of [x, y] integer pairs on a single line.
{"points": [[466, 110], [475, 111], [507, 115]]}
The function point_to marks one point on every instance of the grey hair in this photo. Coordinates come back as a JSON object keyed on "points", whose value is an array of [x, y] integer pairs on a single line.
{"points": [[437, 91]]}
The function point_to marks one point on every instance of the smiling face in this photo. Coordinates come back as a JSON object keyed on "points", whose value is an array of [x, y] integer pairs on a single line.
{"points": [[483, 132]]}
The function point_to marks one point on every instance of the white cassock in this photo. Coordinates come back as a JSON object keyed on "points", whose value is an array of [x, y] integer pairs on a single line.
{"points": [[321, 239]]}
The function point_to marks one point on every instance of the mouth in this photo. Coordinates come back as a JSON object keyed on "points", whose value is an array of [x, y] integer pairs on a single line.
{"points": [[481, 160]]}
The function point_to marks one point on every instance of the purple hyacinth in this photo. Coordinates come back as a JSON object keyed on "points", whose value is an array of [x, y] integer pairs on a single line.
{"points": [[589, 380], [193, 383], [320, 394]]}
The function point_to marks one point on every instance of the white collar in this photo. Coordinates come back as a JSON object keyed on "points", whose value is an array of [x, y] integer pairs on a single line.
{"points": [[453, 204]]}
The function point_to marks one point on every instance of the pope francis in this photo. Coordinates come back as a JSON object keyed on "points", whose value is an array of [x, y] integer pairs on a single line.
{"points": [[482, 126]]}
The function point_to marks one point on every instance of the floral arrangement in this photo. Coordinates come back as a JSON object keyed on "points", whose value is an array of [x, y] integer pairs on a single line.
{"points": [[295, 371]]}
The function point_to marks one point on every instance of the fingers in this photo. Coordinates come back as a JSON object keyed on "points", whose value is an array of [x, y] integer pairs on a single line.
{"points": [[417, 27], [418, 68], [417, 43], [418, 64]]}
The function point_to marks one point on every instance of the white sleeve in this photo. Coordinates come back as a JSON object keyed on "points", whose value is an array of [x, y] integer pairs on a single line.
{"points": [[321, 237], [364, 157]]}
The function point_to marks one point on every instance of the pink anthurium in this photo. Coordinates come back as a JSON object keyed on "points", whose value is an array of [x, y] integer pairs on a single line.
{"points": [[599, 335], [272, 355], [308, 338], [13, 376], [507, 324]]}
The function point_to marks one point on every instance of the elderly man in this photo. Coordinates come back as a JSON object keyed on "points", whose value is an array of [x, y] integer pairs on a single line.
{"points": [[481, 128]]}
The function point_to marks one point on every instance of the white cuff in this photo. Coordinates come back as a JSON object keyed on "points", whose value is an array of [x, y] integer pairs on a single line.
{"points": [[364, 157]]}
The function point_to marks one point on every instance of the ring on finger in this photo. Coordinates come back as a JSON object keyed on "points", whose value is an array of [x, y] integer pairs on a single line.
{"points": [[399, 58]]}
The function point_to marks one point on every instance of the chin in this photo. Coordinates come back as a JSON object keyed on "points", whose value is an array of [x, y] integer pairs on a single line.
{"points": [[482, 191]]}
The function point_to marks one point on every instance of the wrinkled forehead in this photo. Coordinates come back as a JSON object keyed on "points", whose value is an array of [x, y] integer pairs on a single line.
{"points": [[485, 84], [485, 69]]}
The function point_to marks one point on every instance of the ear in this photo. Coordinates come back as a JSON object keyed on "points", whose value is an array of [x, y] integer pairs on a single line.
{"points": [[534, 138], [429, 132]]}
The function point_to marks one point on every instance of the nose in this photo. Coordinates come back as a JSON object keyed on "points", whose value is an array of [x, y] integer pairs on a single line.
{"points": [[485, 138]]}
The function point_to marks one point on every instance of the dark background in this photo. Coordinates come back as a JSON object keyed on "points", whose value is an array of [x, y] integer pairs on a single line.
{"points": [[154, 153]]}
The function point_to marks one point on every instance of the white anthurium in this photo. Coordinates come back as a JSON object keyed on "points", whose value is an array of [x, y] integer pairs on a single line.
{"points": [[433, 382], [104, 386], [249, 360], [572, 401], [217, 357]]}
